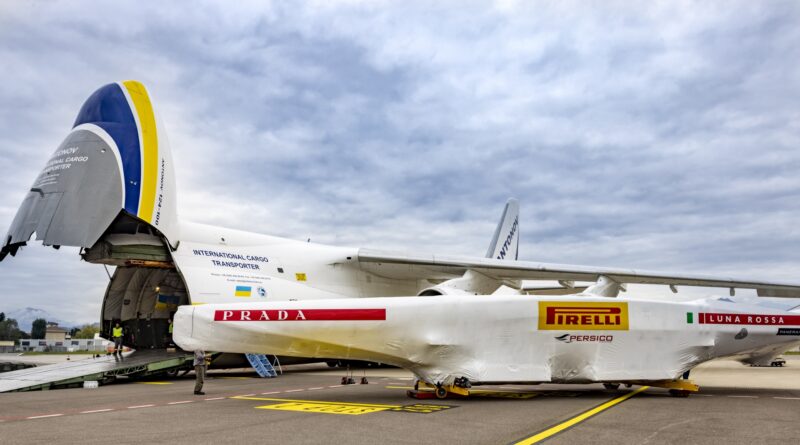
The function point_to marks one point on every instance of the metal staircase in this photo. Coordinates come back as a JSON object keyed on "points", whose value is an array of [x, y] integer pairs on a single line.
{"points": [[262, 365]]}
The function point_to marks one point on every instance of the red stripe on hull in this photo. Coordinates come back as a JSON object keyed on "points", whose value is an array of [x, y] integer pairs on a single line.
{"points": [[749, 319], [299, 314]]}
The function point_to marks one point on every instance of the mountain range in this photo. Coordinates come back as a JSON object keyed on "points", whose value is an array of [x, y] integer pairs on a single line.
{"points": [[26, 316]]}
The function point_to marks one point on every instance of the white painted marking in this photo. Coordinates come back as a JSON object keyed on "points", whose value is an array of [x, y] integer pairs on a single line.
{"points": [[315, 388], [42, 417], [271, 392], [744, 397], [335, 386], [248, 395], [294, 390], [703, 395], [140, 406], [216, 398], [787, 398], [178, 403], [97, 411]]}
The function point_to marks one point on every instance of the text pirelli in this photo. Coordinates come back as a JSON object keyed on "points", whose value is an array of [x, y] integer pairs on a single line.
{"points": [[580, 316]]}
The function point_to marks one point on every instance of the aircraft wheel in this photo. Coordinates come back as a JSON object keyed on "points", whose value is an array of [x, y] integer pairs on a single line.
{"points": [[441, 392], [611, 386]]}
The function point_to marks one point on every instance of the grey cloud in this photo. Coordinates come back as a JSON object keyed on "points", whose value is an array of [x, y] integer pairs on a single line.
{"points": [[658, 136]]}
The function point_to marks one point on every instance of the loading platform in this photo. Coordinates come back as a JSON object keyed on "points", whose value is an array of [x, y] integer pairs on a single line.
{"points": [[103, 369]]}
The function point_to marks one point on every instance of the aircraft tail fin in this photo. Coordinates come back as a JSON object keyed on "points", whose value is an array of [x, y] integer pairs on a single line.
{"points": [[115, 159], [505, 242]]}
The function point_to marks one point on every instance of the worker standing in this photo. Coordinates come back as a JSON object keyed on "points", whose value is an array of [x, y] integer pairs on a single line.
{"points": [[116, 335], [199, 371], [169, 330]]}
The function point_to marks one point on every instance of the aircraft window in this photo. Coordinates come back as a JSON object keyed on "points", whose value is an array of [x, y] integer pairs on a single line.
{"points": [[280, 270]]}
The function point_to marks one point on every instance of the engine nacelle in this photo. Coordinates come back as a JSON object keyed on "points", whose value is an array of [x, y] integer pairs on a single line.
{"points": [[471, 283]]}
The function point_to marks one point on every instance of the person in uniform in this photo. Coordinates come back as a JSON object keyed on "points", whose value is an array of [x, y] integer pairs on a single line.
{"points": [[116, 335], [199, 371], [169, 335]]}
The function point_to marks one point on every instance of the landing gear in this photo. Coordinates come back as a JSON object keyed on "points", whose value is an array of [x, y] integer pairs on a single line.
{"points": [[611, 386]]}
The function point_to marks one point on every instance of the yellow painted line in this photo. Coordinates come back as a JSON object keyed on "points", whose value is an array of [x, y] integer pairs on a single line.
{"points": [[269, 399], [347, 408], [538, 437], [149, 141], [154, 383], [325, 408]]}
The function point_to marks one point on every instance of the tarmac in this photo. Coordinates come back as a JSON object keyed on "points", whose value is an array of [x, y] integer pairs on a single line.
{"points": [[308, 404]]}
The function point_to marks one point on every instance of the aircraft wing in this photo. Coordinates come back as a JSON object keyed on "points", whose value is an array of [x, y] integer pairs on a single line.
{"points": [[442, 267]]}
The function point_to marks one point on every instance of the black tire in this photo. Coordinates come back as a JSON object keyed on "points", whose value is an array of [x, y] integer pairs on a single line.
{"points": [[441, 392], [679, 393], [611, 386]]}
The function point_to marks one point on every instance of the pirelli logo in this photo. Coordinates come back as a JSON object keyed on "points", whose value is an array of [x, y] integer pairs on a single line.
{"points": [[579, 316]]}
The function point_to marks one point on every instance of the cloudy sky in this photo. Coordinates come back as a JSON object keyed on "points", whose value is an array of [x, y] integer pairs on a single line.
{"points": [[658, 136]]}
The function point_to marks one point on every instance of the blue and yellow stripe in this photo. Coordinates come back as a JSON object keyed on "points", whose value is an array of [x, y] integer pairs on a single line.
{"points": [[125, 112], [243, 291]]}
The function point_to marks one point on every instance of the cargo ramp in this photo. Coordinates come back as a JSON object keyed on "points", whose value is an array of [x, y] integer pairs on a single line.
{"points": [[104, 369]]}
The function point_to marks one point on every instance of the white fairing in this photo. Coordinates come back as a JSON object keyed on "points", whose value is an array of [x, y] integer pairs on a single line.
{"points": [[502, 338], [164, 216]]}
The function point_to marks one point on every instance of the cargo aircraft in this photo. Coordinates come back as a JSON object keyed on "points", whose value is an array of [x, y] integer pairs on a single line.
{"points": [[454, 321]]}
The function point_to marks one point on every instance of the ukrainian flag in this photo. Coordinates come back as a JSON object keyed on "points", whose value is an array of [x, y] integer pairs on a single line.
{"points": [[243, 291], [165, 302]]}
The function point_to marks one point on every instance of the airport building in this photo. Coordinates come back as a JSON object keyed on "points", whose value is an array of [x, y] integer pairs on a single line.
{"points": [[64, 345], [55, 333]]}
